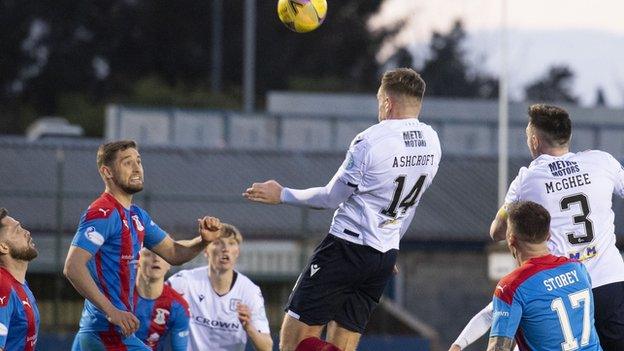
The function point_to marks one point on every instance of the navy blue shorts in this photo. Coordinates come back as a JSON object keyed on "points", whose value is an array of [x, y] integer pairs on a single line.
{"points": [[609, 315], [342, 282]]}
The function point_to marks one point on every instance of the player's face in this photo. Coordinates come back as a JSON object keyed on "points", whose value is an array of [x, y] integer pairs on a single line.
{"points": [[223, 253], [152, 266], [16, 240], [128, 171]]}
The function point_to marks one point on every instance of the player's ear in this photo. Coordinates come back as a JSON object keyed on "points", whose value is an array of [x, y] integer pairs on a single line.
{"points": [[106, 172], [388, 104], [511, 238], [4, 248]]}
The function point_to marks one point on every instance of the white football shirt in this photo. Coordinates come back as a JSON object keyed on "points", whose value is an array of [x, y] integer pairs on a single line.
{"points": [[214, 323], [390, 164], [577, 190]]}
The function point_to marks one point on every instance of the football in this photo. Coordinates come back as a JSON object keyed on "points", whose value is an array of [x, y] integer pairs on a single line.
{"points": [[302, 16]]}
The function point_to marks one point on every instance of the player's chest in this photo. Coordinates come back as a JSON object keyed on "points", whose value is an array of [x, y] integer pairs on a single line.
{"points": [[25, 312], [127, 237], [212, 310]]}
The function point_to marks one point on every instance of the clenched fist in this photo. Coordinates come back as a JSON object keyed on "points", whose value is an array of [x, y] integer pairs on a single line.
{"points": [[209, 228]]}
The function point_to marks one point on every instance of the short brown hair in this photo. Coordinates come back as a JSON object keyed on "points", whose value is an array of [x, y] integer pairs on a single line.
{"points": [[530, 221], [553, 122], [107, 152], [403, 81], [230, 231]]}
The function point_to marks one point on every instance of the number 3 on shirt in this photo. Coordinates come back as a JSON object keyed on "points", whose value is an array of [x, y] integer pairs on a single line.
{"points": [[570, 343], [408, 201], [581, 199]]}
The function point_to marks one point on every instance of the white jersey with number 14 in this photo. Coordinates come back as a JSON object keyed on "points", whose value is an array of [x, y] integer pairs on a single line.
{"points": [[390, 164], [577, 189]]}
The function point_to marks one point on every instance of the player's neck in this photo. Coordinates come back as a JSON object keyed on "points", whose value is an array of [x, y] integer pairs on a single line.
{"points": [[17, 268], [221, 280], [531, 251], [121, 196], [148, 288], [404, 112], [401, 117], [554, 151]]}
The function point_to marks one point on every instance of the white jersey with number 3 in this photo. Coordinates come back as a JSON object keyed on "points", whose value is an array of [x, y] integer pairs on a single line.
{"points": [[390, 164], [577, 189], [214, 323]]}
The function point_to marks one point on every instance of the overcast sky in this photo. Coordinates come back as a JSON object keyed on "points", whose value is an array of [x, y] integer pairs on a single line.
{"points": [[586, 35]]}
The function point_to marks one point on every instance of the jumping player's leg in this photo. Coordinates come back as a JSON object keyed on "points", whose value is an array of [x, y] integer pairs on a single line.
{"points": [[321, 289], [294, 331], [345, 339], [609, 315], [350, 319]]}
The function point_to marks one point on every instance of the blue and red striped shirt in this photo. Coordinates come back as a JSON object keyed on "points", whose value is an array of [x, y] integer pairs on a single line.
{"points": [[19, 315], [547, 305], [114, 236], [164, 318]]}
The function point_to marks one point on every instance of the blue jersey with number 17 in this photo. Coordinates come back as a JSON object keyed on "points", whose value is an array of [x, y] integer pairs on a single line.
{"points": [[547, 305]]}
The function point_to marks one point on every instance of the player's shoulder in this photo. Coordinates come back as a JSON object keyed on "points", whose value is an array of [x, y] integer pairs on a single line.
{"points": [[595, 155], [378, 134], [6, 288], [508, 286], [103, 207], [173, 295], [246, 284], [193, 273]]}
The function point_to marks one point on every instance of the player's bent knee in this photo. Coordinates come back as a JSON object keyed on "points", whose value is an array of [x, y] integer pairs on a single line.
{"points": [[342, 337], [294, 331]]}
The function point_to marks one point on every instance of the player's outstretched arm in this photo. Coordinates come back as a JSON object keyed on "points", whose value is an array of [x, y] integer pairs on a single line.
{"points": [[498, 228], [329, 196], [476, 328], [77, 273], [182, 251], [260, 341]]}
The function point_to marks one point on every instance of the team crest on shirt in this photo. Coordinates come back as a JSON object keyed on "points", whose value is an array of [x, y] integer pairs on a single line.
{"points": [[3, 330], [94, 236], [137, 223], [350, 161], [234, 304], [161, 316]]}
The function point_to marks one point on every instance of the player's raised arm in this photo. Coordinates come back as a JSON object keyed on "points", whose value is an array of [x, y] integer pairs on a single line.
{"points": [[498, 228], [77, 273], [182, 251]]}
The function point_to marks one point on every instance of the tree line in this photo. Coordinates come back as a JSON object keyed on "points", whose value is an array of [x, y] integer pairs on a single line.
{"points": [[70, 58]]}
